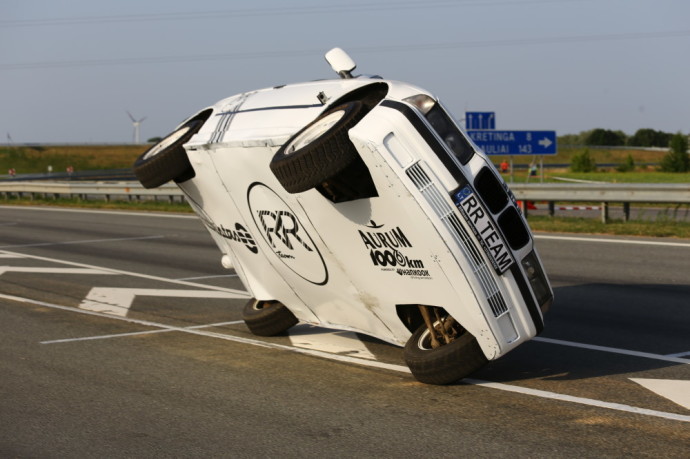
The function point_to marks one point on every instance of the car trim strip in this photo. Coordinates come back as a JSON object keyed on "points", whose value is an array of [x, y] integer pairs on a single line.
{"points": [[527, 295], [262, 109]]}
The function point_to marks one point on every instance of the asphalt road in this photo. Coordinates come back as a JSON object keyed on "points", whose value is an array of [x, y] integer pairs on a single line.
{"points": [[169, 370]]}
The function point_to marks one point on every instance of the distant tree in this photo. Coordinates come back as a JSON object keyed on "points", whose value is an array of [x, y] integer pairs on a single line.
{"points": [[676, 160], [583, 162], [649, 138], [606, 137], [154, 139]]}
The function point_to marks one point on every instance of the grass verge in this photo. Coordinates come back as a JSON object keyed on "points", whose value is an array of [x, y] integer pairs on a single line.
{"points": [[658, 228], [144, 206]]}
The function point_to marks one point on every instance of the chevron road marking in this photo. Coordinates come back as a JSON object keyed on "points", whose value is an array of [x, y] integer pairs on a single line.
{"points": [[678, 391], [331, 341], [117, 301]]}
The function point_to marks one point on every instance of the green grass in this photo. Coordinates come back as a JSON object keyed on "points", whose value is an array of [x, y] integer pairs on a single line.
{"points": [[144, 206], [657, 228], [37, 159]]}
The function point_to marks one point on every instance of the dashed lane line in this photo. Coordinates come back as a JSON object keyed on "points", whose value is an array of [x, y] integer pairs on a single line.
{"points": [[371, 363]]}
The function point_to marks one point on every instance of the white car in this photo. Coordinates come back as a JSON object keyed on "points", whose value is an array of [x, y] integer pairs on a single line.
{"points": [[359, 204]]}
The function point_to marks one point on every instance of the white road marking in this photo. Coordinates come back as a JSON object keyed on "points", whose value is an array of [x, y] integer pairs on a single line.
{"points": [[148, 332], [579, 400], [10, 255], [614, 350], [679, 354], [612, 241], [84, 241], [22, 269], [333, 342], [677, 391], [207, 277], [117, 301], [240, 293], [371, 363]]}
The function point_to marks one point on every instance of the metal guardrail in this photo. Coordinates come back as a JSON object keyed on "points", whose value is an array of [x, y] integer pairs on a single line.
{"points": [[131, 191], [603, 193]]}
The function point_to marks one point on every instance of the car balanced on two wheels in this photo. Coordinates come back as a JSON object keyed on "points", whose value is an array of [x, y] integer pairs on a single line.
{"points": [[358, 204]]}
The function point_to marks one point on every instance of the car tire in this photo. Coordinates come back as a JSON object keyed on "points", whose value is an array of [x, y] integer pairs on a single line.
{"points": [[267, 318], [445, 364], [167, 160], [320, 151]]}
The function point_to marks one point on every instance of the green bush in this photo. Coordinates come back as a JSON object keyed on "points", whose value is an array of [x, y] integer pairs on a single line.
{"points": [[676, 160], [627, 166], [583, 162]]}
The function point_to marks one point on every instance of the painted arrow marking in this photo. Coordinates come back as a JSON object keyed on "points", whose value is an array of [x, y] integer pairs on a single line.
{"points": [[117, 301], [678, 391], [19, 269], [334, 342]]}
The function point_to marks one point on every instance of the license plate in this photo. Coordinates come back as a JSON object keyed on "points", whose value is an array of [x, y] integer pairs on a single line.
{"points": [[484, 228]]}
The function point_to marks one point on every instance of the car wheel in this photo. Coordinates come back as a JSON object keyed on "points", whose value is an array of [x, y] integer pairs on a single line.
{"points": [[319, 152], [267, 318], [448, 362], [167, 160]]}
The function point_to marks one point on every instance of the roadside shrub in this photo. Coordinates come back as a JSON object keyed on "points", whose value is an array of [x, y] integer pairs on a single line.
{"points": [[677, 159], [583, 162], [628, 165]]}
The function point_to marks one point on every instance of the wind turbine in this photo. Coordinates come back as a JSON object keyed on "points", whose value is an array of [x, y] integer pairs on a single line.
{"points": [[137, 124]]}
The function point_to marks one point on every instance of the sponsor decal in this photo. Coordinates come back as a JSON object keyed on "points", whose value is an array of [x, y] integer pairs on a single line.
{"points": [[389, 250], [285, 234], [239, 234]]}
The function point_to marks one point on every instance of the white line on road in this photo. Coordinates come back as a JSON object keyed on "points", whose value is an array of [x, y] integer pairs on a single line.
{"points": [[147, 332], [240, 293], [207, 277], [370, 363], [84, 241], [46, 270], [614, 350], [679, 354], [612, 241]]}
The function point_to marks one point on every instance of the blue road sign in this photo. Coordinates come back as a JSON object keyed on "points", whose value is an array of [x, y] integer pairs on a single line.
{"points": [[515, 142], [480, 120]]}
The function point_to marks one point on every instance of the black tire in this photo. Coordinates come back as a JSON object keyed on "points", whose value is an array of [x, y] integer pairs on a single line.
{"points": [[319, 159], [445, 364], [167, 160], [267, 318]]}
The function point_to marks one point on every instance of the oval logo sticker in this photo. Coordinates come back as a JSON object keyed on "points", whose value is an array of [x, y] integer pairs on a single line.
{"points": [[285, 234]]}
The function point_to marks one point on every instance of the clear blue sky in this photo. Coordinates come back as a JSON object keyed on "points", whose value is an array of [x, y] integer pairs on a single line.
{"points": [[70, 69]]}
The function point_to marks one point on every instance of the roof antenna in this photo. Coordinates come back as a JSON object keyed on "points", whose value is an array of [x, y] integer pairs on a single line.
{"points": [[341, 62]]}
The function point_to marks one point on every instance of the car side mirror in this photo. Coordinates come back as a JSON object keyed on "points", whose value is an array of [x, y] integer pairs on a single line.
{"points": [[340, 62]]}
